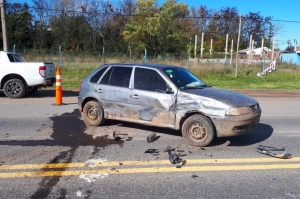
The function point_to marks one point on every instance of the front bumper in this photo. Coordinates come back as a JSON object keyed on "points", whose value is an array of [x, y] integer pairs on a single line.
{"points": [[236, 125]]}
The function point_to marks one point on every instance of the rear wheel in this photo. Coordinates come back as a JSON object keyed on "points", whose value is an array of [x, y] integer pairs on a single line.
{"points": [[32, 90], [198, 130], [14, 88], [93, 113]]}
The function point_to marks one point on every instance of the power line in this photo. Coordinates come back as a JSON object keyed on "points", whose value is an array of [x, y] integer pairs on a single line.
{"points": [[126, 15]]}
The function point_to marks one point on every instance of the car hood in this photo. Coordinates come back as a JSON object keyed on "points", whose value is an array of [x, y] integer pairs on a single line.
{"points": [[228, 97]]}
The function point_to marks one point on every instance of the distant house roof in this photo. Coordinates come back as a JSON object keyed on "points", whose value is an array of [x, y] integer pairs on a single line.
{"points": [[255, 51]]}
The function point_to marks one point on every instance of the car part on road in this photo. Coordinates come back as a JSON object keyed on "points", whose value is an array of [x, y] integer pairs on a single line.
{"points": [[116, 137], [174, 157], [270, 148], [267, 151], [195, 176], [154, 152], [151, 137]]}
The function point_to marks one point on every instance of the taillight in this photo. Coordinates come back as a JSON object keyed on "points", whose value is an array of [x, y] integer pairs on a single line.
{"points": [[42, 71]]}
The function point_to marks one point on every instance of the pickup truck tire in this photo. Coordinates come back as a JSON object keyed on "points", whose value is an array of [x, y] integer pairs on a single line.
{"points": [[198, 130], [32, 90], [14, 88], [93, 114]]}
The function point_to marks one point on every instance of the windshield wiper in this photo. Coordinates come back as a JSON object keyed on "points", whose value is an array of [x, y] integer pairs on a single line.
{"points": [[197, 87]]}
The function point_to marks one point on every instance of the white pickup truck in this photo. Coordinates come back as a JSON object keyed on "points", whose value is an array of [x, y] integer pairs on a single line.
{"points": [[19, 78]]}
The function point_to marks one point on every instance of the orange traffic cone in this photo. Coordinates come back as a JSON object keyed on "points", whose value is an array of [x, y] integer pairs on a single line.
{"points": [[58, 92]]}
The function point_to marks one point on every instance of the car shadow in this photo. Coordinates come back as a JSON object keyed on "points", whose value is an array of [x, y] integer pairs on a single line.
{"points": [[261, 133], [47, 93], [51, 93], [151, 129]]}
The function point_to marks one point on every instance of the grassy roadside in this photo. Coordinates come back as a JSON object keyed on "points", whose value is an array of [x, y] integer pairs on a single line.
{"points": [[286, 76]]}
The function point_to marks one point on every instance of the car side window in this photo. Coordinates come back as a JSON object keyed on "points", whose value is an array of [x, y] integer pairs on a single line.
{"points": [[150, 80], [120, 76], [106, 77], [94, 79]]}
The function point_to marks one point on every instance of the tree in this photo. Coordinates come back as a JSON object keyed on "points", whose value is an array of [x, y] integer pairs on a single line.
{"points": [[19, 25], [174, 29], [257, 26], [142, 28]]}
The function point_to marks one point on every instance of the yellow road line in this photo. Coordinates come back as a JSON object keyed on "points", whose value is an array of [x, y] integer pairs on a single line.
{"points": [[200, 161], [148, 170], [42, 166], [146, 162]]}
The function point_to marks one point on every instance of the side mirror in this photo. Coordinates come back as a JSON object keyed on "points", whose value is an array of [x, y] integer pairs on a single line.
{"points": [[169, 91]]}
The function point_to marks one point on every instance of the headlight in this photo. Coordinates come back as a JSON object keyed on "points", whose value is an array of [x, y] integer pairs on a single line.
{"points": [[238, 111]]}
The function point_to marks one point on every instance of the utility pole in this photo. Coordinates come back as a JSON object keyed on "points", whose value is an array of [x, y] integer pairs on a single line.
{"points": [[4, 29], [195, 50], [237, 47], [202, 38], [210, 50], [273, 46]]}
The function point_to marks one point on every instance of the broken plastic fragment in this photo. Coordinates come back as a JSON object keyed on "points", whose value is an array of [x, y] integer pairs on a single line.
{"points": [[151, 137], [267, 151], [195, 176]]}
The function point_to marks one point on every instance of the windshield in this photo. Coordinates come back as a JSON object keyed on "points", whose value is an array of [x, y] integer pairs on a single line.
{"points": [[184, 79]]}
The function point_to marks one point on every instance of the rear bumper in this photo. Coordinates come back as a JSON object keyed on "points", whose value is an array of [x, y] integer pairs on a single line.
{"points": [[49, 81], [236, 125], [80, 100]]}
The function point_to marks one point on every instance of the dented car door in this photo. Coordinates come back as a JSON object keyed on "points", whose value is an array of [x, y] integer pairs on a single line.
{"points": [[113, 91], [152, 99]]}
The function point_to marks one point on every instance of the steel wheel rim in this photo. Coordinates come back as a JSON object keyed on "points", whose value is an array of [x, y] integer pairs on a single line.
{"points": [[92, 113], [14, 88], [197, 132]]}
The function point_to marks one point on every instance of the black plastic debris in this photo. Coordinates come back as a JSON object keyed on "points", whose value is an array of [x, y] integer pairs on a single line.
{"points": [[169, 149], [116, 137], [269, 150], [151, 137], [175, 157], [195, 176], [154, 152]]}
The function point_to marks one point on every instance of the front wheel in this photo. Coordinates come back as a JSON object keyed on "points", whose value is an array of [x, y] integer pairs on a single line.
{"points": [[93, 113], [14, 88], [198, 130]]}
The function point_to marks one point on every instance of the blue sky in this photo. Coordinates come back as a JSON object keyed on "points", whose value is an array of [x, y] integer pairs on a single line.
{"points": [[287, 10]]}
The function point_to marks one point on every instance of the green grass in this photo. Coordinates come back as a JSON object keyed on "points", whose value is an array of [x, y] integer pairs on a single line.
{"points": [[284, 77]]}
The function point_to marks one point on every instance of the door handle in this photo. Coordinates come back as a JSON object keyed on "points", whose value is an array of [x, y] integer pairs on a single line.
{"points": [[135, 96], [99, 90]]}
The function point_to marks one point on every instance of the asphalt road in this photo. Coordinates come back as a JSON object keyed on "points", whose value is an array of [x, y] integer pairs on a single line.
{"points": [[46, 151]]}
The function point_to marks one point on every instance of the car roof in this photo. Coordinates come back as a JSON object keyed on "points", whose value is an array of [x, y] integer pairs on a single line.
{"points": [[149, 65]]}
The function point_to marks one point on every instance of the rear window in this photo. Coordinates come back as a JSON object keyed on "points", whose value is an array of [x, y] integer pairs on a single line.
{"points": [[14, 58], [117, 76], [94, 79]]}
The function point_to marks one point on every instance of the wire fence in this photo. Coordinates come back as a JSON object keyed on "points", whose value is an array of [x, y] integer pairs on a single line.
{"points": [[62, 57]]}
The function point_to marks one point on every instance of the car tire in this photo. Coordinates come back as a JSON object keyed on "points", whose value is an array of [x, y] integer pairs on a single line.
{"points": [[93, 114], [14, 88], [198, 130], [32, 90]]}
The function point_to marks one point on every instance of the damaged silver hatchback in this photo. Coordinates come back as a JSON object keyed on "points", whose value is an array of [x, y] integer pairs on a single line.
{"points": [[165, 96]]}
